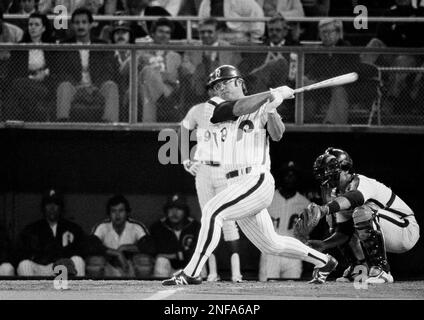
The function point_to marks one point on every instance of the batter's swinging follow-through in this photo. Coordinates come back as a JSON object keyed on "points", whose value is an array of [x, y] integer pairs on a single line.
{"points": [[242, 123]]}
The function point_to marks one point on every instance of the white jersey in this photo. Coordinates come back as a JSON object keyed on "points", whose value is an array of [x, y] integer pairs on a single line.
{"points": [[378, 193], [132, 232], [198, 118], [284, 211], [244, 141]]}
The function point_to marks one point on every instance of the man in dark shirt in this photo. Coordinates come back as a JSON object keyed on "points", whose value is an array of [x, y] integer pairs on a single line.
{"points": [[50, 241], [175, 237]]}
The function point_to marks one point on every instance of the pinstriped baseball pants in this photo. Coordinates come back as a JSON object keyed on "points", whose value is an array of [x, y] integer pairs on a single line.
{"points": [[209, 182], [245, 200]]}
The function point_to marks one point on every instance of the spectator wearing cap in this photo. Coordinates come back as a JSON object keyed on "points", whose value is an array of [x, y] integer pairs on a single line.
{"points": [[284, 209], [6, 266], [50, 240], [125, 247], [175, 236]]}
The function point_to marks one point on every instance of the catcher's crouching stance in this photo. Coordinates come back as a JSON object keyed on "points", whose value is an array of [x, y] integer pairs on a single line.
{"points": [[364, 213]]}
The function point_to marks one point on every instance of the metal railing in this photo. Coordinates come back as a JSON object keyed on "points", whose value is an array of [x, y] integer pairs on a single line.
{"points": [[297, 119]]}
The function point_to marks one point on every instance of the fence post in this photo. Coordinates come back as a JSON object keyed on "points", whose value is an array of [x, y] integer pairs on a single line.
{"points": [[189, 31], [299, 105], [133, 107]]}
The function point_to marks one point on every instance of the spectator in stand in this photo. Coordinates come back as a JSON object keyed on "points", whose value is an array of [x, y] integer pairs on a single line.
{"points": [[287, 8], [235, 31], [29, 82], [87, 74], [159, 77], [319, 67], [198, 65], [143, 8], [284, 209], [314, 8], [270, 69], [9, 33], [123, 34], [111, 7], [22, 7], [397, 34], [94, 6], [172, 6], [51, 241], [175, 237], [189, 8], [6, 267], [126, 248]]}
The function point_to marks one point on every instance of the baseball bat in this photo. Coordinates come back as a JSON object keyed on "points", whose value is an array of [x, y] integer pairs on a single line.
{"points": [[332, 82]]}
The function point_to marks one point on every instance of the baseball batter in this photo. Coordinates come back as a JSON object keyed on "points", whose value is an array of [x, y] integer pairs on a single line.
{"points": [[241, 121], [210, 179], [366, 207]]}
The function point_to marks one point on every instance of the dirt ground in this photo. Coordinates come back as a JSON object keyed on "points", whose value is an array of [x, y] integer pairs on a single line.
{"points": [[248, 290]]}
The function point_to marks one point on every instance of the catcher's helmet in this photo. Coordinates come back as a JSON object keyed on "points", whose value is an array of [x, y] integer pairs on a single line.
{"points": [[224, 72], [343, 158], [327, 170]]}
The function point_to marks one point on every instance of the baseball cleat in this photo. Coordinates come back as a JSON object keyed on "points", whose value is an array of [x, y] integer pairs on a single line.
{"points": [[379, 276], [180, 278], [237, 278], [319, 275], [353, 271], [213, 278]]}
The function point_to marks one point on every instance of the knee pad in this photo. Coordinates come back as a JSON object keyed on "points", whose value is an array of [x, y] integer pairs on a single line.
{"points": [[230, 230]]}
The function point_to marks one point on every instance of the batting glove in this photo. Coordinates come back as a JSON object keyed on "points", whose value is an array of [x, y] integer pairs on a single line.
{"points": [[276, 100], [191, 166], [288, 93]]}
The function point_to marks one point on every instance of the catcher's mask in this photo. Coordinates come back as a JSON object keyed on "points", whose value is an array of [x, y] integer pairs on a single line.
{"points": [[327, 170], [343, 158], [223, 73]]}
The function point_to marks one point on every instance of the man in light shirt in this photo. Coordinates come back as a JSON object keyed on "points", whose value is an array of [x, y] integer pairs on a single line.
{"points": [[126, 247]]}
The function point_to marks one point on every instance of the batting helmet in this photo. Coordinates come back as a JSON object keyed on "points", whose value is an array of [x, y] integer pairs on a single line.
{"points": [[326, 170], [224, 72], [343, 158]]}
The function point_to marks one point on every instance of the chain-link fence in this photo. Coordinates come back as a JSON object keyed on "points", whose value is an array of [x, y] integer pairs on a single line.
{"points": [[159, 84]]}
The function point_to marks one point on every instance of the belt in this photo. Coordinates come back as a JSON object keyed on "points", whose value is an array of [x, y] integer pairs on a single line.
{"points": [[211, 163], [236, 173]]}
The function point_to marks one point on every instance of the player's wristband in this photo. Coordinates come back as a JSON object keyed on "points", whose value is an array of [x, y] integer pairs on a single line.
{"points": [[333, 207]]}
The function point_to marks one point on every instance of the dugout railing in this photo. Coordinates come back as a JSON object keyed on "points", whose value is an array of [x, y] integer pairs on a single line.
{"points": [[368, 104]]}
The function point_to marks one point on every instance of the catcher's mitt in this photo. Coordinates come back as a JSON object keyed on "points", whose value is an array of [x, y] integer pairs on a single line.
{"points": [[68, 263], [307, 221]]}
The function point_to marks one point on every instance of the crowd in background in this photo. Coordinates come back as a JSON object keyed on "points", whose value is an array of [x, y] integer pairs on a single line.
{"points": [[94, 85]]}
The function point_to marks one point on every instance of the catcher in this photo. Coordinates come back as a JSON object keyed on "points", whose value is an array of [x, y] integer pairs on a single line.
{"points": [[364, 214]]}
